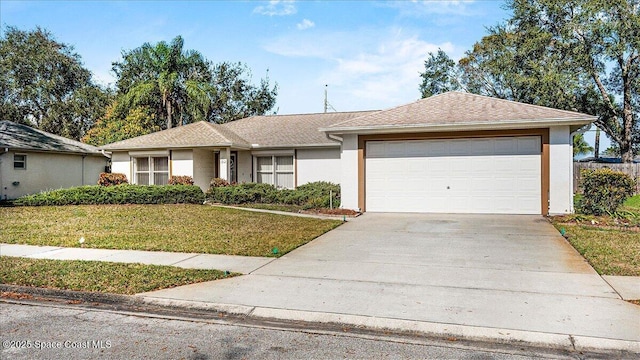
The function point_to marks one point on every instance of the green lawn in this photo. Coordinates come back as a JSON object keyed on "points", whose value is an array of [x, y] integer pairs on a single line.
{"points": [[610, 244], [99, 276], [609, 251], [177, 228]]}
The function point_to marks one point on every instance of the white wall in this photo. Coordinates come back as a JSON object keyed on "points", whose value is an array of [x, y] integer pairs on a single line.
{"points": [[560, 170], [318, 165], [203, 168], [48, 171], [349, 172], [121, 164], [182, 163]]}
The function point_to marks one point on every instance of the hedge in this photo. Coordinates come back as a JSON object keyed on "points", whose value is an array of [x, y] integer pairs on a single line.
{"points": [[604, 190], [309, 196], [118, 194]]}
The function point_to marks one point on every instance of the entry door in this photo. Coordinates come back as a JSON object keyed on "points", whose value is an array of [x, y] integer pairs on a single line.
{"points": [[499, 175]]}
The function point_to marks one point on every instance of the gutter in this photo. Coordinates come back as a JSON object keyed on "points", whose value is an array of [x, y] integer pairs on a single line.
{"points": [[334, 137], [104, 153]]}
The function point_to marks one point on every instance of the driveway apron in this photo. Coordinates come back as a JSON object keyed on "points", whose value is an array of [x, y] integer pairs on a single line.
{"points": [[491, 271]]}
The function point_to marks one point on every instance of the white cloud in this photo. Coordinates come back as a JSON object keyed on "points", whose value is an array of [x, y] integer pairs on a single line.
{"points": [[277, 8], [419, 8], [305, 24], [371, 68]]}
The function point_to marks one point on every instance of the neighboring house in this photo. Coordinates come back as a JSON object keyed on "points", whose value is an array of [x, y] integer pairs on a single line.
{"points": [[32, 160], [450, 153]]}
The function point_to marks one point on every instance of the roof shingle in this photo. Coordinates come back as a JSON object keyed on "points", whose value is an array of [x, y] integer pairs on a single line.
{"points": [[23, 137], [199, 134], [458, 108]]}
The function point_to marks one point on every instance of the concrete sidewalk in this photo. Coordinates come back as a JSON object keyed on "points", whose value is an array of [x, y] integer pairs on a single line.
{"points": [[238, 264]]}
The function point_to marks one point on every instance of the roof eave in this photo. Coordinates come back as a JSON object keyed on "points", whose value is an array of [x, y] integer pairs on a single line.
{"points": [[476, 126], [294, 146], [169, 146]]}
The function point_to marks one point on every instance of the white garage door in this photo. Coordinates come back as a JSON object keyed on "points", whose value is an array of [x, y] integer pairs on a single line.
{"points": [[487, 175]]}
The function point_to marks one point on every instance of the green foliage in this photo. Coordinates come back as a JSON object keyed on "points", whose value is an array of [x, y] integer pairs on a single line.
{"points": [[118, 194], [44, 84], [116, 126], [309, 196], [112, 179], [580, 146], [181, 86], [181, 180], [439, 75], [604, 190]]}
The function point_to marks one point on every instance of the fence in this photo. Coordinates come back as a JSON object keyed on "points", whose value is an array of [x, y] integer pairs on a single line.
{"points": [[632, 170]]}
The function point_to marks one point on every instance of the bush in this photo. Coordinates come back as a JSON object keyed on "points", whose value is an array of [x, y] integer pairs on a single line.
{"points": [[309, 196], [118, 194], [181, 180], [218, 182], [112, 179], [604, 190]]}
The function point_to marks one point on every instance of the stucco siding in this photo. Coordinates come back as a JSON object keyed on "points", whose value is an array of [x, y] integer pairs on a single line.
{"points": [[182, 163], [245, 167], [560, 170], [121, 164], [349, 172], [318, 165], [47, 171], [203, 168]]}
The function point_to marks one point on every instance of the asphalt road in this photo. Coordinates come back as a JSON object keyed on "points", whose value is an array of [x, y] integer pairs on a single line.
{"points": [[54, 331]]}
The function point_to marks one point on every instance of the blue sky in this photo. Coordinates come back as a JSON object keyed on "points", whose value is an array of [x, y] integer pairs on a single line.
{"points": [[369, 53]]}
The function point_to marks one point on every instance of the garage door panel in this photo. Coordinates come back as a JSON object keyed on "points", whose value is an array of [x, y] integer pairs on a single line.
{"points": [[489, 175]]}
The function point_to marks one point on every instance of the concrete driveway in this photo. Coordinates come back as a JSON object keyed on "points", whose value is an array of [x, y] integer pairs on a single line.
{"points": [[485, 276]]}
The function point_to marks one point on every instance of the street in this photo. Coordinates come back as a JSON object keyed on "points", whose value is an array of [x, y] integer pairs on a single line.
{"points": [[60, 331]]}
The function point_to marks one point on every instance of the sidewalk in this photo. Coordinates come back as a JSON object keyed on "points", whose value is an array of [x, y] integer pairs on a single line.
{"points": [[238, 264]]}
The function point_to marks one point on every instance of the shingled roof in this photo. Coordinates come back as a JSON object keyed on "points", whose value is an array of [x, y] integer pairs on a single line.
{"points": [[289, 130], [199, 134], [457, 110], [22, 137]]}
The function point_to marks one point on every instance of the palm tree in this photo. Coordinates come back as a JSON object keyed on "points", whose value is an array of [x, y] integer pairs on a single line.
{"points": [[580, 146], [166, 78]]}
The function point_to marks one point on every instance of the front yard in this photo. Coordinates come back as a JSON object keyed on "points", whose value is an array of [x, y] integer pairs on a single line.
{"points": [[175, 228], [97, 276], [611, 244]]}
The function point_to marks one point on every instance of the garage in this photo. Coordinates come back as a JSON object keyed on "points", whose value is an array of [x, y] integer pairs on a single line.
{"points": [[493, 175]]}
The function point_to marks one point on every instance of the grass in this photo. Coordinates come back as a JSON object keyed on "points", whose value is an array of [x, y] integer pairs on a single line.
{"points": [[97, 276], [175, 227], [609, 251], [274, 207], [632, 204]]}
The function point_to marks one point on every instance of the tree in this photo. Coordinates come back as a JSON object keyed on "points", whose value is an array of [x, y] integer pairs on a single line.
{"points": [[115, 127], [439, 75], [580, 146], [44, 84], [601, 41], [182, 86]]}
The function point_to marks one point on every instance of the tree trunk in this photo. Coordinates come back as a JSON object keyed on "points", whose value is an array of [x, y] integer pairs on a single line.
{"points": [[626, 148], [169, 121], [596, 147]]}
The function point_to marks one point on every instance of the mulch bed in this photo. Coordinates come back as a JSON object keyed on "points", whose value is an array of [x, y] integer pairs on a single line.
{"points": [[332, 212]]}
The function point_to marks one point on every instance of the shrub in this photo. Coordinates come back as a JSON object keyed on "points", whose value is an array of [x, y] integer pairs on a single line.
{"points": [[118, 194], [218, 182], [181, 180], [604, 190], [309, 196], [112, 179]]}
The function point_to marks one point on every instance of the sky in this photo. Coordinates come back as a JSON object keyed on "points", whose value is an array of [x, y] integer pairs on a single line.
{"points": [[368, 53]]}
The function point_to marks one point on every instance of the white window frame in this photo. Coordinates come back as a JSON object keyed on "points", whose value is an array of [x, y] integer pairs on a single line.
{"points": [[23, 161], [274, 170], [151, 172]]}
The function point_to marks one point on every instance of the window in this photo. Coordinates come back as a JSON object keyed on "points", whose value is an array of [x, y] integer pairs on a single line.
{"points": [[275, 170], [20, 162], [151, 170]]}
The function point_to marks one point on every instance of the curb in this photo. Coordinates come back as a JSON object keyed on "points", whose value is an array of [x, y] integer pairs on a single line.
{"points": [[473, 333], [510, 337]]}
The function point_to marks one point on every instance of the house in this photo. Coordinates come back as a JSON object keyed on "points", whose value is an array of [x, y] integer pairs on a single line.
{"points": [[32, 160], [450, 153]]}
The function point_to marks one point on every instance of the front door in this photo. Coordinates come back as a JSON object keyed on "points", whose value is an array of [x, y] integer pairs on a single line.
{"points": [[233, 166]]}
